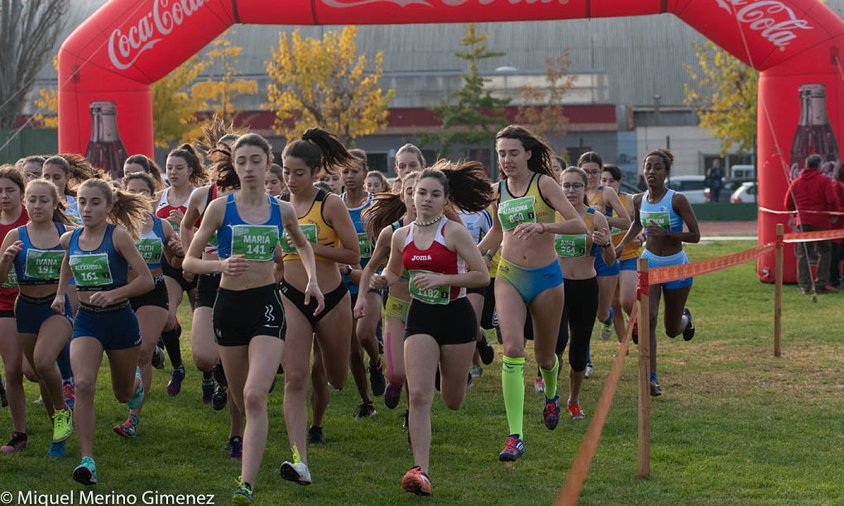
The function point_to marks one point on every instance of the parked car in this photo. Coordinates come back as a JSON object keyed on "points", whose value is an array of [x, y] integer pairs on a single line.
{"points": [[745, 193], [691, 186], [728, 187]]}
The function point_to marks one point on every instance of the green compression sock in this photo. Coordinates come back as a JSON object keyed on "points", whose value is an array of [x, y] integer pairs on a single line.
{"points": [[513, 386], [549, 379]]}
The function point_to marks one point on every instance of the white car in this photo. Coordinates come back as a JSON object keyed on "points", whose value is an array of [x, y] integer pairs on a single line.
{"points": [[745, 193], [690, 186]]}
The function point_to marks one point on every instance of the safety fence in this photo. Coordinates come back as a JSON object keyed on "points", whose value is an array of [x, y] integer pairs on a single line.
{"points": [[570, 491]]}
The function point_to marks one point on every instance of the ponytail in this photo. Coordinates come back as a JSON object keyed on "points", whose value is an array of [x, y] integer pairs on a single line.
{"points": [[222, 168], [129, 210], [466, 184], [385, 209], [319, 149], [76, 168]]}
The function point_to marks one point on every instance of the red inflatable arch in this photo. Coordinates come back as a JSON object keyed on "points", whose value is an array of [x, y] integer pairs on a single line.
{"points": [[110, 61]]}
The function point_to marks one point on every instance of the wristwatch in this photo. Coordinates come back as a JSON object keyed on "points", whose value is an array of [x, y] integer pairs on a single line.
{"points": [[348, 269]]}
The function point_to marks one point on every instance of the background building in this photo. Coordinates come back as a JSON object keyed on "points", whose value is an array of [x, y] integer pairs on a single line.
{"points": [[627, 98]]}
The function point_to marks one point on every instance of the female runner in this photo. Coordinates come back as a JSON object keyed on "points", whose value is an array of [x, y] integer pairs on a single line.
{"points": [[99, 256], [661, 213], [625, 294], [140, 163], [12, 216], [249, 322], [376, 182], [576, 254], [328, 226], [157, 241], [185, 172], [529, 277], [443, 260]]}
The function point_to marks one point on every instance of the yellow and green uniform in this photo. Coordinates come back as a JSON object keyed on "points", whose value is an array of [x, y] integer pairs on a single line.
{"points": [[315, 228]]}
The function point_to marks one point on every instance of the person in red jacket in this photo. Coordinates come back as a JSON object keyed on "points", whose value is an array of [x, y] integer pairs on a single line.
{"points": [[811, 195], [835, 278]]}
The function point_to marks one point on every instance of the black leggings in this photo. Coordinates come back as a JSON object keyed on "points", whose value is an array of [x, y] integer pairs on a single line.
{"points": [[579, 312]]}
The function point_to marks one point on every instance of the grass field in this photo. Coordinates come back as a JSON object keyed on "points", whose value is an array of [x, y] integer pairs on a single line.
{"points": [[734, 426]]}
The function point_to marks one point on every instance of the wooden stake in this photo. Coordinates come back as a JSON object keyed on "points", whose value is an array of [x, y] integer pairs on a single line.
{"points": [[644, 448], [778, 293]]}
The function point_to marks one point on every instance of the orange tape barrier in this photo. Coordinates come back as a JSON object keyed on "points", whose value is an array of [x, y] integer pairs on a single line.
{"points": [[675, 272], [580, 466], [837, 233]]}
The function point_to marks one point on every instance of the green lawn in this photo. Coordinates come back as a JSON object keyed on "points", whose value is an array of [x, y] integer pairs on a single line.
{"points": [[734, 426]]}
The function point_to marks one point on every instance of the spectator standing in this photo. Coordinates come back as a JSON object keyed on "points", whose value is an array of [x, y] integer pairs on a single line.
{"points": [[812, 195], [716, 180]]}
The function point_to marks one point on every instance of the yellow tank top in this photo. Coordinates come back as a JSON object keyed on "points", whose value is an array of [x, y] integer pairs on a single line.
{"points": [[576, 245], [529, 208], [314, 227], [630, 250], [597, 201]]}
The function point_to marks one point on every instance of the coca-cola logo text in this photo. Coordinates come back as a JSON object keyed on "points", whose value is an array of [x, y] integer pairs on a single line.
{"points": [[124, 48], [774, 20]]}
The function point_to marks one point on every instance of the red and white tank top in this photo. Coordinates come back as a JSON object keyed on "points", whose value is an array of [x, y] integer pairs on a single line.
{"points": [[437, 258], [163, 209]]}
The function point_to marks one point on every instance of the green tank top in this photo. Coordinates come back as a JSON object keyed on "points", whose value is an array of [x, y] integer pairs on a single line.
{"points": [[529, 208]]}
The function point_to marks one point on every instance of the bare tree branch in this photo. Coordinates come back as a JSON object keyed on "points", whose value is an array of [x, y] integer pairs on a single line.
{"points": [[28, 33]]}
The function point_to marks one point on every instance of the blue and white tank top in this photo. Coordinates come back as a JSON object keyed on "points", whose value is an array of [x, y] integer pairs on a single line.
{"points": [[478, 224], [101, 269], [151, 244], [254, 241], [36, 266], [662, 212]]}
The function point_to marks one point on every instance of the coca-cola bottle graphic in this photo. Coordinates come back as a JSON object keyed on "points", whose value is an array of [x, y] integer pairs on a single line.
{"points": [[814, 134], [105, 149]]}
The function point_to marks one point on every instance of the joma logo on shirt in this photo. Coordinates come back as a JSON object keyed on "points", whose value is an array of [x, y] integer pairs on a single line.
{"points": [[420, 258]]}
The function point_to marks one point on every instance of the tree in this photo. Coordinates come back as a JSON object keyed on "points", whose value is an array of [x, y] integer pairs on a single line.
{"points": [[544, 115], [324, 83], [222, 91], [178, 98], [28, 33], [725, 97], [47, 103], [475, 116]]}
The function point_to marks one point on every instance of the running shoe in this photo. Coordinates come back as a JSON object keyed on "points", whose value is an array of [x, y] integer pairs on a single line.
{"points": [[476, 371], [606, 326], [538, 385], [220, 397], [138, 398], [3, 401], [689, 331], [235, 447], [589, 370], [416, 482], [56, 450], [404, 423], [392, 395], [513, 449], [377, 382], [39, 401], [315, 435], [16, 443], [485, 351], [127, 429], [175, 384], [296, 471], [551, 413], [158, 357], [62, 425], [656, 390], [575, 411], [86, 472], [365, 410], [69, 393], [207, 391], [242, 495]]}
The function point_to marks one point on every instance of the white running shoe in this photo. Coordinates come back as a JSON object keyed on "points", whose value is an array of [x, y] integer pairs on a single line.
{"points": [[298, 472]]}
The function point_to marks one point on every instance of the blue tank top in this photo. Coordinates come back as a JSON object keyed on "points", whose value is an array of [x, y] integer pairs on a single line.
{"points": [[364, 241], [151, 244], [35, 266], [254, 241], [101, 269], [662, 212]]}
